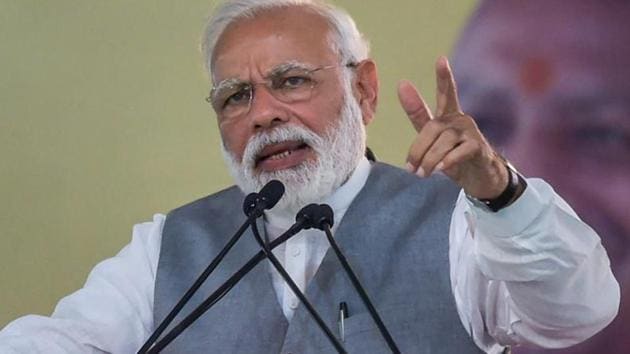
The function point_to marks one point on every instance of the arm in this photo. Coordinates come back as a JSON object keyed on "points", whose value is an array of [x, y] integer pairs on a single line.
{"points": [[112, 313], [531, 273]]}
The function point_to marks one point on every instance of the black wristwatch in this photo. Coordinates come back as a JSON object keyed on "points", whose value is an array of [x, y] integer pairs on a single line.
{"points": [[516, 186]]}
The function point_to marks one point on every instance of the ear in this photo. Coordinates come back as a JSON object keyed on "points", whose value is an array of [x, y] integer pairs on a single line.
{"points": [[365, 88]]}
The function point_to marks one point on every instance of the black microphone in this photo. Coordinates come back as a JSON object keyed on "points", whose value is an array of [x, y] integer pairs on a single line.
{"points": [[218, 294], [253, 205], [267, 198], [316, 216], [321, 217]]}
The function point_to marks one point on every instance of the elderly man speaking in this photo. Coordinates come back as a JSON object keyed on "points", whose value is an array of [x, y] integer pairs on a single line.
{"points": [[459, 254]]}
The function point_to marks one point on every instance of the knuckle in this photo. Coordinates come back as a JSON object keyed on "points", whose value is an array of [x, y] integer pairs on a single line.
{"points": [[453, 116], [448, 161], [435, 125], [416, 148], [413, 162], [413, 158], [464, 121], [477, 149], [417, 112], [470, 137], [452, 134], [431, 158], [427, 167]]}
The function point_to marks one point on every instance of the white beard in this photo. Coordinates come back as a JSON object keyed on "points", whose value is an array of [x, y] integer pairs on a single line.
{"points": [[337, 152]]}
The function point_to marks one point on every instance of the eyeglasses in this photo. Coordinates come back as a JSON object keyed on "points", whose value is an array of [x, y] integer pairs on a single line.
{"points": [[288, 83]]}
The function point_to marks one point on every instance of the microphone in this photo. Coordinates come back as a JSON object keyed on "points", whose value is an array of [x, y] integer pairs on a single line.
{"points": [[316, 216], [267, 198], [253, 205], [321, 217], [218, 294]]}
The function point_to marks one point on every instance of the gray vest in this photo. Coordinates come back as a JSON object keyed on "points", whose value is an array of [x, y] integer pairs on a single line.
{"points": [[394, 234]]}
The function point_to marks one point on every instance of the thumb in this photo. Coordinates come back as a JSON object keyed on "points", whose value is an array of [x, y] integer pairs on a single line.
{"points": [[413, 104]]}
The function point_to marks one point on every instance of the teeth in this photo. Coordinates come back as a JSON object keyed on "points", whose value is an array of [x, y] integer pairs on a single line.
{"points": [[280, 155]]}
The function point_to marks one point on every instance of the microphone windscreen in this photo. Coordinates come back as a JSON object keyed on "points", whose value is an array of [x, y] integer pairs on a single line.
{"points": [[325, 216], [307, 216], [250, 203], [271, 193], [316, 216]]}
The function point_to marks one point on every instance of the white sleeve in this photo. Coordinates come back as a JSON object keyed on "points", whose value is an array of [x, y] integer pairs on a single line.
{"points": [[112, 313], [531, 273]]}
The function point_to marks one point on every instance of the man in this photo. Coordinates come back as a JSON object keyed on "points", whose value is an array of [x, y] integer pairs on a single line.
{"points": [[548, 83], [293, 87]]}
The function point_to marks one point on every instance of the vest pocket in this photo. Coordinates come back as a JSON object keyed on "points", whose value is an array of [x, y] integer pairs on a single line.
{"points": [[362, 334]]}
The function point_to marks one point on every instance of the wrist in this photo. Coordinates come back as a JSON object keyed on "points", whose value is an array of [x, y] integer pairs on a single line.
{"points": [[501, 178], [514, 187]]}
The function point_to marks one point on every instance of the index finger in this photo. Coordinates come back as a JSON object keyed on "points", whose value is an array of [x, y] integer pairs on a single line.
{"points": [[447, 101], [413, 104]]}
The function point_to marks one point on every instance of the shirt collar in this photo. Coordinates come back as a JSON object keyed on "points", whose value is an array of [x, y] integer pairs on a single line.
{"points": [[339, 200]]}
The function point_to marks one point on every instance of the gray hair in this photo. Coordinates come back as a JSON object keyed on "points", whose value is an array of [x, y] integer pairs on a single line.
{"points": [[347, 41]]}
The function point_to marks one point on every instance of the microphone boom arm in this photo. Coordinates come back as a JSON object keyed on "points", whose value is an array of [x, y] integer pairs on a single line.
{"points": [[253, 206], [359, 288], [193, 288]]}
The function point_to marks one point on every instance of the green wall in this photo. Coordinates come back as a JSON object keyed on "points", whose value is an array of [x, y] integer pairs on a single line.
{"points": [[103, 123]]}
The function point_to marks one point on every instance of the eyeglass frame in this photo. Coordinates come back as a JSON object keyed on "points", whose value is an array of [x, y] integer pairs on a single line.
{"points": [[269, 82]]}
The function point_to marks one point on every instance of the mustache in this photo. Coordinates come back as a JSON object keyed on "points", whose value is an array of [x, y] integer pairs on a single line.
{"points": [[281, 134]]}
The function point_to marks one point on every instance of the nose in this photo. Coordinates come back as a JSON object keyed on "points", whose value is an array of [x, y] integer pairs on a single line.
{"points": [[265, 110]]}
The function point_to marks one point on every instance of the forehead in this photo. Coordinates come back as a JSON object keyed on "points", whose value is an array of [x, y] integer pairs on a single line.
{"points": [[561, 42], [252, 46]]}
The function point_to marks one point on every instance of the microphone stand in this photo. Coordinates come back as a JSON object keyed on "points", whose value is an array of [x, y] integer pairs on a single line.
{"points": [[224, 289], [321, 217], [207, 304], [364, 296], [276, 264], [193, 288]]}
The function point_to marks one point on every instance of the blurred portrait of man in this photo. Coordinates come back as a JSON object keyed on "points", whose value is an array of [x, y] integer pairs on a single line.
{"points": [[549, 85]]}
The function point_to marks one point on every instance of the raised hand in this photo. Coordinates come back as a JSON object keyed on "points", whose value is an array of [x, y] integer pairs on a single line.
{"points": [[450, 141]]}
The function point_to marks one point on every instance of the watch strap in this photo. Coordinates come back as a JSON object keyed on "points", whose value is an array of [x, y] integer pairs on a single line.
{"points": [[516, 184]]}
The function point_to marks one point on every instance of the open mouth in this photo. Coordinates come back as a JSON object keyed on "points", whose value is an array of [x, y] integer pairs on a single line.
{"points": [[282, 155]]}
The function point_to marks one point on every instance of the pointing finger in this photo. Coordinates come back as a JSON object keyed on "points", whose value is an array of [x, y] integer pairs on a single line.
{"points": [[447, 102], [413, 104]]}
